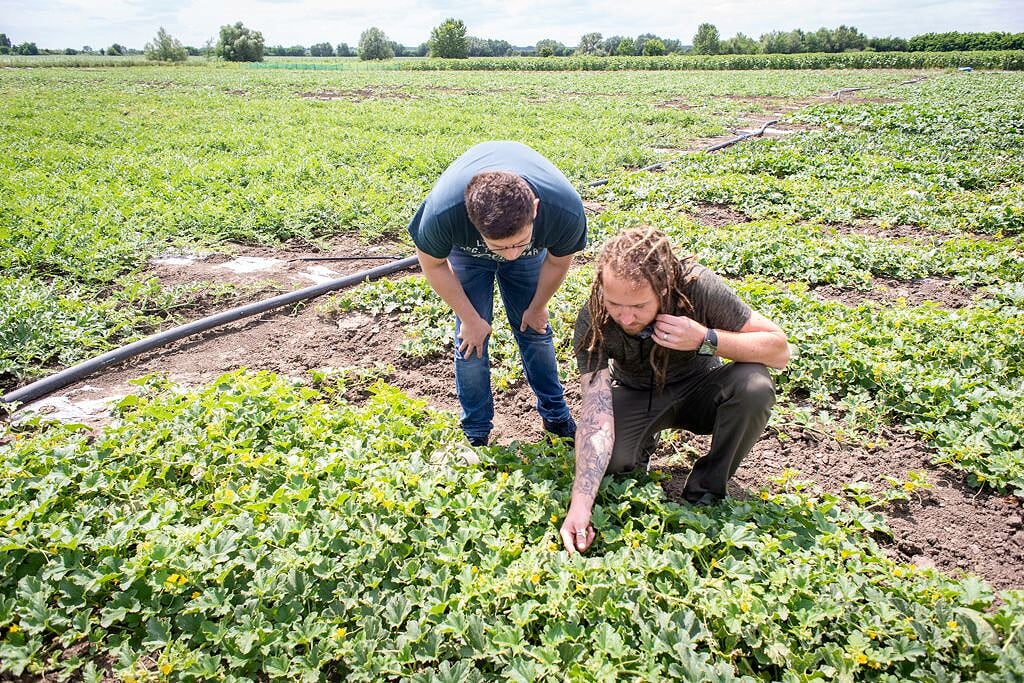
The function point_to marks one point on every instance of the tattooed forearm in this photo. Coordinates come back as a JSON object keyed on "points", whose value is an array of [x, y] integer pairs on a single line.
{"points": [[595, 435]]}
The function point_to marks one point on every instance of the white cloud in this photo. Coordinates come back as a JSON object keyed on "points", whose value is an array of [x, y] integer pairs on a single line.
{"points": [[72, 23]]}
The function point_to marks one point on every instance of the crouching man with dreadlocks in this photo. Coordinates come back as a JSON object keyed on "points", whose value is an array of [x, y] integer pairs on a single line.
{"points": [[648, 344]]}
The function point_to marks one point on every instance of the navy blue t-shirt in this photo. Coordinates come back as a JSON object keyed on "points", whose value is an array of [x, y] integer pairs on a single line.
{"points": [[442, 222]]}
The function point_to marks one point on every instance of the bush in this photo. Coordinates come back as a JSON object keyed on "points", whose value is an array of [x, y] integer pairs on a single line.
{"points": [[654, 48], [373, 44], [240, 44], [165, 48], [321, 50]]}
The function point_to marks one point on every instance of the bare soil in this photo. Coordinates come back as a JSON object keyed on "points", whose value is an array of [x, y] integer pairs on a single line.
{"points": [[903, 232], [717, 215], [939, 290], [374, 92], [951, 526]]}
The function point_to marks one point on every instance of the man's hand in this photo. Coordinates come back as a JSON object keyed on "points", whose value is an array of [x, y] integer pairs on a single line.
{"points": [[536, 319], [577, 534], [678, 332], [473, 337]]}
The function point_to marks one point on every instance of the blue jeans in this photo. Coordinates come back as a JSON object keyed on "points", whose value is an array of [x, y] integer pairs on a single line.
{"points": [[517, 283]]}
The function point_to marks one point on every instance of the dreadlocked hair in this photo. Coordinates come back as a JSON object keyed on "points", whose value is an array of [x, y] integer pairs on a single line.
{"points": [[641, 255]]}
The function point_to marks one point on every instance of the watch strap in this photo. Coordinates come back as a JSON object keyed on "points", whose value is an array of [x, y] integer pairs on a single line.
{"points": [[710, 344]]}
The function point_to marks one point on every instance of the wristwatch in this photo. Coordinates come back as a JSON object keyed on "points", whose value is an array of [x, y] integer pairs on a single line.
{"points": [[709, 346]]}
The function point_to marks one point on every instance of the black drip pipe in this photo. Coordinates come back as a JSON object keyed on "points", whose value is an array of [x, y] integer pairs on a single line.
{"points": [[713, 148], [82, 370]]}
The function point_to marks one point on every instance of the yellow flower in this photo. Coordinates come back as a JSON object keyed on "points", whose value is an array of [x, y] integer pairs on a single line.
{"points": [[195, 595], [181, 580], [860, 659], [388, 504], [897, 572], [554, 519], [552, 547], [765, 495], [473, 569], [744, 606], [14, 628], [952, 625], [504, 476], [340, 633], [166, 669], [535, 578]]}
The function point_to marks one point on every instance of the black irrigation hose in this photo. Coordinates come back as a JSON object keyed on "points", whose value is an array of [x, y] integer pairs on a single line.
{"points": [[838, 94], [344, 258], [76, 372], [713, 148]]}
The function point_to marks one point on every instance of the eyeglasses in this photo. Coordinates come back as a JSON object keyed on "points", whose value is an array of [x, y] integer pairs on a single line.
{"points": [[521, 245]]}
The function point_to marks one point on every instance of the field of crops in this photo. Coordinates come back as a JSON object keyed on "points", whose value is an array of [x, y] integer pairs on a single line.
{"points": [[262, 527]]}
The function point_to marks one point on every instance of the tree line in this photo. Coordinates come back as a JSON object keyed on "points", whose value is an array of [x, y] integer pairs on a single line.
{"points": [[450, 40]]}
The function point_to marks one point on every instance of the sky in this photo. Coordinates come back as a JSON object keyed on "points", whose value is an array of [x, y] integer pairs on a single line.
{"points": [[132, 23]]}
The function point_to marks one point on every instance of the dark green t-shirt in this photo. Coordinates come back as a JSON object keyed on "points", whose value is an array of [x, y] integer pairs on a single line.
{"points": [[442, 223], [628, 357]]}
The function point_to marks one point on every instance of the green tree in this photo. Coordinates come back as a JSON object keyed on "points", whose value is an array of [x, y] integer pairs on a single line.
{"points": [[373, 44], [240, 44], [611, 44], [550, 48], [117, 49], [626, 47], [653, 47], [887, 44], [321, 50], [448, 40], [740, 44], [343, 50], [5, 44], [163, 48], [26, 48], [705, 42], [590, 44]]}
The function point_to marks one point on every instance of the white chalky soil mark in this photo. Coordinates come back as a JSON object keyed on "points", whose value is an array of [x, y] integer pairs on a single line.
{"points": [[173, 261], [320, 274], [251, 264]]}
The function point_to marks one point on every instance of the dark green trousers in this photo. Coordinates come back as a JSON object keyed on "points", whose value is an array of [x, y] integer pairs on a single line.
{"points": [[732, 403]]}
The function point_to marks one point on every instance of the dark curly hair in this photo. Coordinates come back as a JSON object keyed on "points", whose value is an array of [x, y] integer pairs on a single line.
{"points": [[499, 203]]}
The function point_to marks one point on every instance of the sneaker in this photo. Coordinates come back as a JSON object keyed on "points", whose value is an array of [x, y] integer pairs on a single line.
{"points": [[477, 441], [565, 429]]}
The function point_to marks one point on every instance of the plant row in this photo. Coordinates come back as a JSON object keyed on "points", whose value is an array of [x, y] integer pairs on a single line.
{"points": [[257, 529], [1008, 60]]}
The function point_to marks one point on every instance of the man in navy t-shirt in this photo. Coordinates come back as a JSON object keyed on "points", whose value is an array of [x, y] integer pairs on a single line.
{"points": [[503, 211]]}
